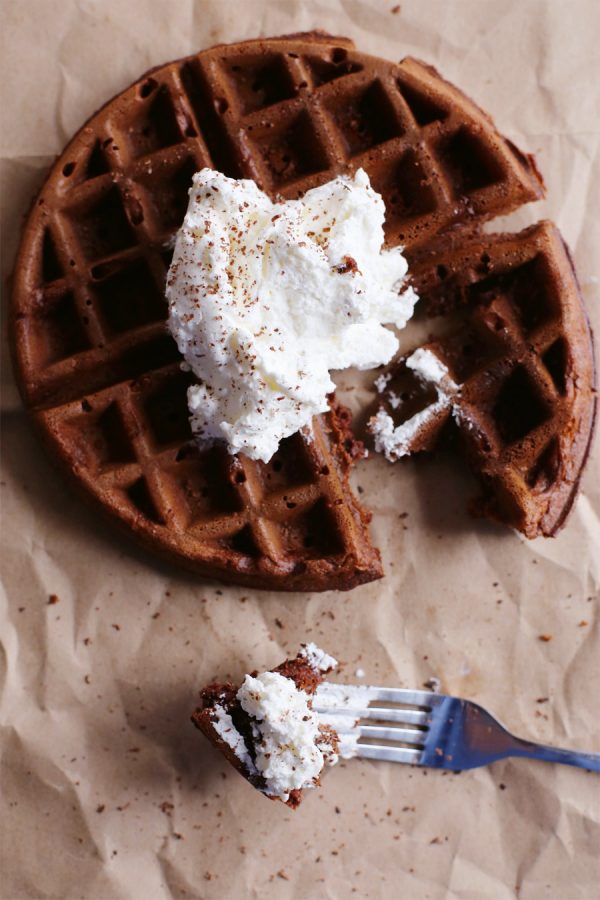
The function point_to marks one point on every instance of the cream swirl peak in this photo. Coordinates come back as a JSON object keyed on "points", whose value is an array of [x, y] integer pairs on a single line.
{"points": [[265, 299]]}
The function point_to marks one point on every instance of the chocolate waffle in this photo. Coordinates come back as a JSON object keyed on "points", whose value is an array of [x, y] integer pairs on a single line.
{"points": [[94, 362], [222, 697], [514, 377]]}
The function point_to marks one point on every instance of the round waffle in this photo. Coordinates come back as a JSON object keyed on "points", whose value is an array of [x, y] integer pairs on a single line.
{"points": [[95, 364]]}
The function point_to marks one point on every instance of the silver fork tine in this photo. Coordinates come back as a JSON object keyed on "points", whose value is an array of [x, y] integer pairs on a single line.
{"points": [[405, 716], [328, 691], [400, 695], [347, 725], [390, 754], [402, 735]]}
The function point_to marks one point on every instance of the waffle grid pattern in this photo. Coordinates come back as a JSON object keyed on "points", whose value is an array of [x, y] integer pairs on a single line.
{"points": [[289, 509], [89, 312], [524, 390], [124, 190]]}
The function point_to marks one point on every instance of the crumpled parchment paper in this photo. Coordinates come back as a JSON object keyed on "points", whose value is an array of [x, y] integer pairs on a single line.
{"points": [[107, 790]]}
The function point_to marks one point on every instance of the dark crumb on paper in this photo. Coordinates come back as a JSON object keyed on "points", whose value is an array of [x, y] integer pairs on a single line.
{"points": [[502, 787], [281, 874], [435, 840], [279, 623], [52, 599], [208, 876], [86, 678], [116, 627], [87, 641], [177, 836], [156, 615], [403, 515], [360, 489], [21, 609], [166, 807], [582, 624], [542, 699], [101, 808], [338, 810], [395, 9], [544, 637]]}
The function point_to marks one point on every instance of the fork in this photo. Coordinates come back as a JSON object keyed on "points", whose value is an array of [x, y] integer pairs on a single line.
{"points": [[426, 729]]}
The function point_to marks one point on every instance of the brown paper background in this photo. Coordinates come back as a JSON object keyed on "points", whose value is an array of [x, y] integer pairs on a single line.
{"points": [[107, 791]]}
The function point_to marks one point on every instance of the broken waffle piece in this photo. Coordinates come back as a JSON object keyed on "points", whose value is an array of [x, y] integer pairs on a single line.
{"points": [[421, 389], [515, 377], [267, 729]]}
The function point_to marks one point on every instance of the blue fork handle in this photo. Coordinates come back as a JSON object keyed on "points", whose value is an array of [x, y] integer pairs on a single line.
{"points": [[589, 761]]}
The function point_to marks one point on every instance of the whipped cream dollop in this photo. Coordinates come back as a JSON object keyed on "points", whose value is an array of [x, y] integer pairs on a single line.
{"points": [[225, 728], [285, 732], [265, 299]]}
